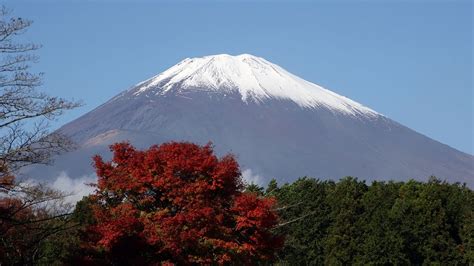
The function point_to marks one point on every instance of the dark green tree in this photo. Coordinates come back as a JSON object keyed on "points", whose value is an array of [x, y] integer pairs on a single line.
{"points": [[344, 234], [272, 187], [254, 188], [424, 215], [380, 244], [305, 219]]}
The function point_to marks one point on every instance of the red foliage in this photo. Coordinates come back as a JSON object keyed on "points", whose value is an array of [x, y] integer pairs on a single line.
{"points": [[182, 204]]}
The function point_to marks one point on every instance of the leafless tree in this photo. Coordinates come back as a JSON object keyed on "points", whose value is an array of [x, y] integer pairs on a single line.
{"points": [[29, 213], [25, 111]]}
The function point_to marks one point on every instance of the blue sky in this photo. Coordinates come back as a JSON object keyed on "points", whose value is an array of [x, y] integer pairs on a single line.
{"points": [[409, 60]]}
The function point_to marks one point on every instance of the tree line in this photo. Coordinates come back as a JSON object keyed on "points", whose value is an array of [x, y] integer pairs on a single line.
{"points": [[383, 223], [308, 222]]}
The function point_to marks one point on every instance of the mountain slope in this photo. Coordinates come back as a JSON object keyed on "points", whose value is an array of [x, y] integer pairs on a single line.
{"points": [[278, 125]]}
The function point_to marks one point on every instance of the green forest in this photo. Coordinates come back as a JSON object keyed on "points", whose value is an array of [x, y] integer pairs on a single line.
{"points": [[383, 223]]}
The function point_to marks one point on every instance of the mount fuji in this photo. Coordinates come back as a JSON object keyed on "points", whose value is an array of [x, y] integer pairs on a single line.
{"points": [[277, 124]]}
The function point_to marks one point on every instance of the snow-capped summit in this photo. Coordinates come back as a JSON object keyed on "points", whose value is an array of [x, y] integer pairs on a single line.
{"points": [[254, 78]]}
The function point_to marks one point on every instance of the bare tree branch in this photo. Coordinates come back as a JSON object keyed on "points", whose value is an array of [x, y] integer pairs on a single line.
{"points": [[24, 110], [28, 213]]}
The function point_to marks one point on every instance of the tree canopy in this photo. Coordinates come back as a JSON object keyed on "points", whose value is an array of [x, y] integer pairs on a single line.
{"points": [[179, 203], [384, 223]]}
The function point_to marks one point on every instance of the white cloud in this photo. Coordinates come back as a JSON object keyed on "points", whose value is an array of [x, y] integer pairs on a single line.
{"points": [[249, 177], [75, 187]]}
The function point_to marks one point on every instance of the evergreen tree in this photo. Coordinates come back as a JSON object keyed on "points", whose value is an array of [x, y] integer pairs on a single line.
{"points": [[272, 187], [254, 188], [344, 239], [305, 216], [380, 243]]}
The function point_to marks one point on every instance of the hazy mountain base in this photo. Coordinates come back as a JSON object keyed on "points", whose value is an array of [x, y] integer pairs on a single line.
{"points": [[274, 139]]}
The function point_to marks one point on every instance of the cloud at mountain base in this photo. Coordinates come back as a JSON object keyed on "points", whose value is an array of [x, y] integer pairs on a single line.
{"points": [[76, 188], [252, 178]]}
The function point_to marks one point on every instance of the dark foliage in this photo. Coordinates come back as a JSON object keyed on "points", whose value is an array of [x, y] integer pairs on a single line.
{"points": [[385, 223]]}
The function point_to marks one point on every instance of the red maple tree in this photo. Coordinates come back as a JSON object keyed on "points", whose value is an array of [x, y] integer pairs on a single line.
{"points": [[179, 203]]}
